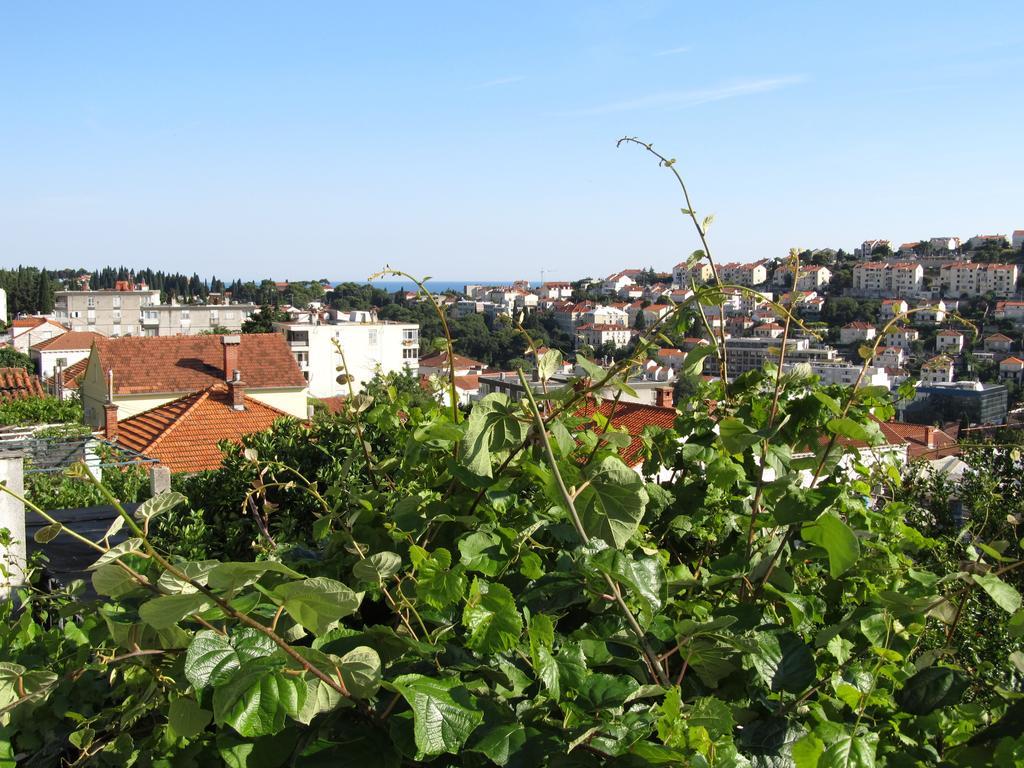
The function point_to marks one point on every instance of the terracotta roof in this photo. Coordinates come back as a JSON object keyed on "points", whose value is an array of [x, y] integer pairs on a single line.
{"points": [[70, 341], [334, 404], [859, 325], [939, 361], [440, 360], [190, 363], [183, 434], [1013, 362], [28, 323], [917, 438], [72, 375], [669, 352], [633, 417], [18, 384], [998, 337], [467, 383]]}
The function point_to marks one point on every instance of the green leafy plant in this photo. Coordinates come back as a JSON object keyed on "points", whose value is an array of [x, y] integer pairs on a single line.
{"points": [[402, 584]]}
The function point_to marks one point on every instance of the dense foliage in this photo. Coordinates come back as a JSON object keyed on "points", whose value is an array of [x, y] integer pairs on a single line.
{"points": [[12, 358], [40, 410], [431, 588], [405, 584]]}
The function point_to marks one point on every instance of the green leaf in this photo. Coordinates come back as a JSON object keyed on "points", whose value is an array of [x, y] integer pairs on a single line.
{"points": [[227, 577], [212, 658], [848, 752], [613, 504], [807, 750], [439, 585], [592, 369], [847, 427], [318, 602], [930, 689], [157, 505], [360, 671], [783, 662], [114, 581], [712, 714], [723, 473], [257, 698], [482, 552], [500, 743], [836, 538], [1015, 626], [377, 568], [167, 610], [444, 712], [48, 533], [735, 435], [187, 718], [549, 364], [1002, 594], [491, 617], [128, 546]]}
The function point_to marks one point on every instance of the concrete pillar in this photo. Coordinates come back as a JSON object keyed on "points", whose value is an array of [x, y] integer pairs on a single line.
{"points": [[159, 479], [13, 556]]}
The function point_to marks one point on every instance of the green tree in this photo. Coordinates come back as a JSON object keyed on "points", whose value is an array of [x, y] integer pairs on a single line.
{"points": [[12, 358]]}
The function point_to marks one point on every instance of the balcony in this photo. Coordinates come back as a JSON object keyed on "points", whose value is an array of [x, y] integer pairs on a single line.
{"points": [[149, 322]]}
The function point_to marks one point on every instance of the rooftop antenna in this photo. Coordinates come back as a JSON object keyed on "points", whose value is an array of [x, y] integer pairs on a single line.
{"points": [[545, 272]]}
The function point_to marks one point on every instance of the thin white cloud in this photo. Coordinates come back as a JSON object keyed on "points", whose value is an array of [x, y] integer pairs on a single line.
{"points": [[497, 82], [673, 51], [692, 98]]}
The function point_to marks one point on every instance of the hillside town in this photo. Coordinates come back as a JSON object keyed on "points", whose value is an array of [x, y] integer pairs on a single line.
{"points": [[170, 376]]}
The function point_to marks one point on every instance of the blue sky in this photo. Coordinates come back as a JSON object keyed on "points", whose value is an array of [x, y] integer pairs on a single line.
{"points": [[477, 140]]}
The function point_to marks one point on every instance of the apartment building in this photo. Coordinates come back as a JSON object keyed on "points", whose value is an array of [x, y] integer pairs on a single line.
{"points": [[868, 248], [901, 337], [1009, 310], [973, 279], [135, 310], [857, 331], [749, 275], [369, 347], [683, 275], [950, 341], [883, 278], [938, 370], [890, 308], [597, 334], [556, 291], [844, 373]]}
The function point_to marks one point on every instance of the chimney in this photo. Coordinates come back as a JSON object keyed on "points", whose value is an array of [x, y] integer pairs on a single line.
{"points": [[663, 397], [929, 436], [110, 421], [231, 346], [236, 391]]}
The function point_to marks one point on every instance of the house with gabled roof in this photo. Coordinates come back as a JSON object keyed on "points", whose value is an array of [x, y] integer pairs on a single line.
{"points": [[62, 351], [138, 373], [184, 434], [26, 332]]}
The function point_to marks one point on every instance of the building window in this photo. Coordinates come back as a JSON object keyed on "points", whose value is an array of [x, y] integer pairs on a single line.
{"points": [[90, 302], [372, 336], [117, 302], [410, 352], [62, 362]]}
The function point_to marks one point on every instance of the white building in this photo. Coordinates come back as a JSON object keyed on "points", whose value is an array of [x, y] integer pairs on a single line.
{"points": [[949, 341], [973, 279], [901, 337], [62, 351], [605, 316], [980, 241], [683, 275], [890, 308], [26, 332], [749, 275], [1009, 310], [930, 313], [868, 247], [938, 370], [857, 331], [844, 373], [1017, 240], [615, 283], [556, 291], [597, 334], [3, 307], [890, 357], [369, 348], [883, 278]]}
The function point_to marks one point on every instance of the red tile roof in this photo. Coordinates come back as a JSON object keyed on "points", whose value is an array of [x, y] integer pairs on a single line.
{"points": [[918, 436], [440, 360], [70, 341], [334, 404], [72, 375], [183, 434], [144, 364], [633, 417], [18, 384]]}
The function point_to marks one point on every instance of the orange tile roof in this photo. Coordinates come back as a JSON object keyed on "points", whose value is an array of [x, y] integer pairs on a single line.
{"points": [[334, 404], [183, 434], [917, 438], [633, 417], [72, 375], [70, 341], [440, 360], [144, 364], [18, 384]]}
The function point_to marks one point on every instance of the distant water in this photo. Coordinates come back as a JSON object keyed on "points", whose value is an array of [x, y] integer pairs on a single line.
{"points": [[435, 286]]}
